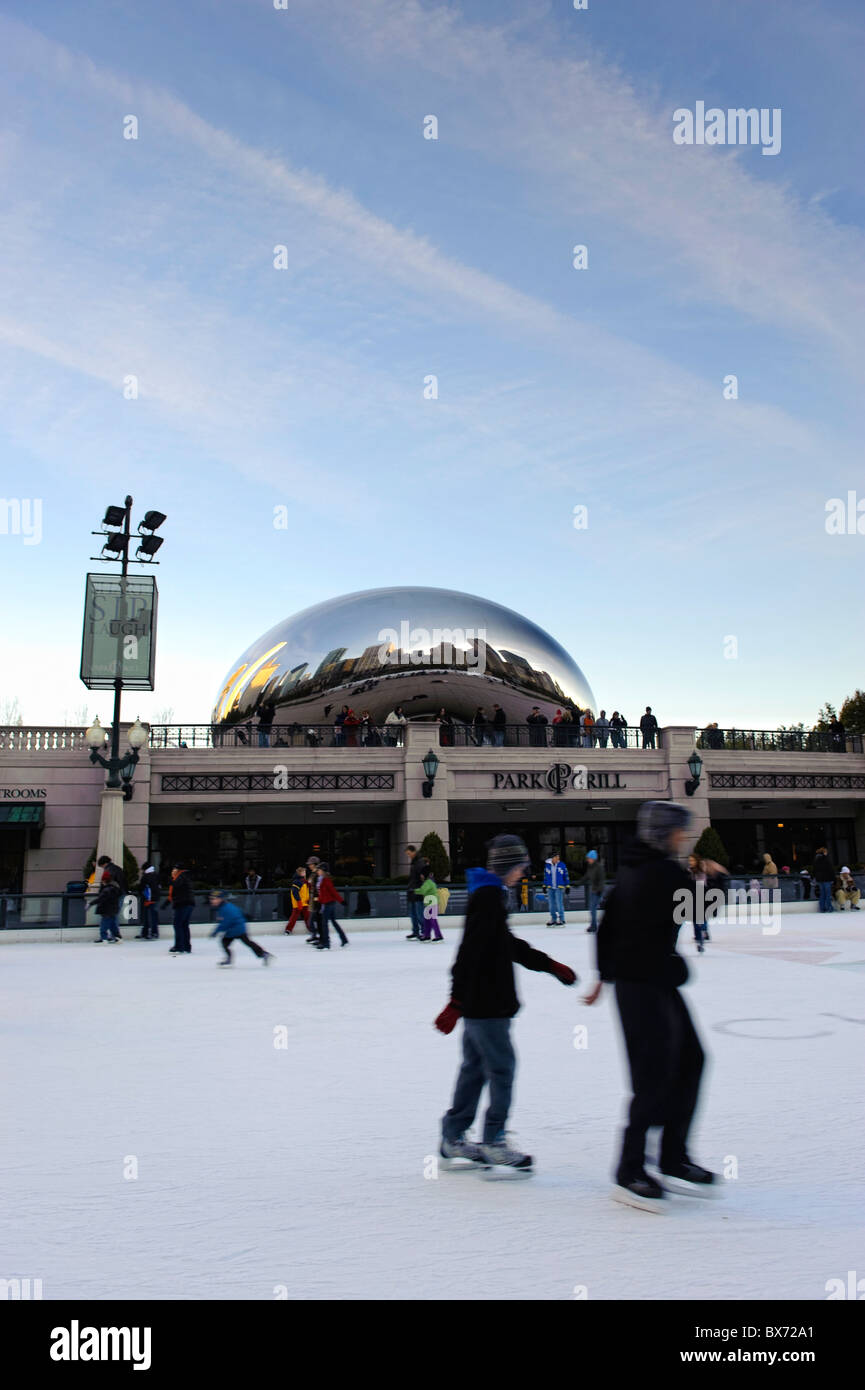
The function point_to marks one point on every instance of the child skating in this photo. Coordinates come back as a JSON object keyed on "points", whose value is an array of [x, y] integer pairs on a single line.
{"points": [[485, 997], [636, 952], [429, 893], [231, 925]]}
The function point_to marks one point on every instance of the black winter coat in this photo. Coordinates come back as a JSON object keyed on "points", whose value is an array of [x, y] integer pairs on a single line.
{"points": [[418, 871], [483, 972], [824, 870], [636, 939], [182, 891], [108, 899]]}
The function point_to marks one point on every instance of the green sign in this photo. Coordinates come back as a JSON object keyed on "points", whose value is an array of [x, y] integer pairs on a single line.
{"points": [[119, 639]]}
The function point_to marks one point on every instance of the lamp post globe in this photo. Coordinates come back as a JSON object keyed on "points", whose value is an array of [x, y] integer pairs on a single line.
{"points": [[96, 735], [137, 734]]}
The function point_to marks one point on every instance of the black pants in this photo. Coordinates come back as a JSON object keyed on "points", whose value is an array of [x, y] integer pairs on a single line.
{"points": [[666, 1062], [328, 916], [182, 917], [253, 945]]}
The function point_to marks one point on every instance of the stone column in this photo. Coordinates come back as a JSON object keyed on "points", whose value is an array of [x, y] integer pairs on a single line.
{"points": [[679, 745], [420, 815], [110, 839]]}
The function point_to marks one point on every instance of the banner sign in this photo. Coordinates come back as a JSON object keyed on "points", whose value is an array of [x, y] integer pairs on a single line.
{"points": [[119, 638]]}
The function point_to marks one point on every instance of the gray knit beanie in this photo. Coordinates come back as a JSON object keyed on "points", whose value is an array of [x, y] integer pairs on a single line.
{"points": [[506, 852], [656, 820]]}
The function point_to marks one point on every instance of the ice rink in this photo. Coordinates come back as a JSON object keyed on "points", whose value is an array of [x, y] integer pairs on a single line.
{"points": [[160, 1141]]}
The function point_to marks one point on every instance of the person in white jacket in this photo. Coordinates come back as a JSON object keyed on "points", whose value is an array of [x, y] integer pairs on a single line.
{"points": [[556, 880]]}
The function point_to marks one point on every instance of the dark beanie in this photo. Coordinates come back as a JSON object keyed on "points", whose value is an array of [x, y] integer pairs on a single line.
{"points": [[506, 852], [656, 820]]}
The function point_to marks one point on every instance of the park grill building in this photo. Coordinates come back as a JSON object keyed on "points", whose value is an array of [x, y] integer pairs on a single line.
{"points": [[230, 794]]}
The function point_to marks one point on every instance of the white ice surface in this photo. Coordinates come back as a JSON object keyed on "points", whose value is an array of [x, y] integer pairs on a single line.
{"points": [[261, 1167]]}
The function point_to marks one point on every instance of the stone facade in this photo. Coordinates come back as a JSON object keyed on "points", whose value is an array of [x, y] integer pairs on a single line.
{"points": [[507, 786]]}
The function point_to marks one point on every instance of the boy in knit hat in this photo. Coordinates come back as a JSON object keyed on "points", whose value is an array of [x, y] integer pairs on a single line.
{"points": [[484, 996], [231, 925], [636, 952]]}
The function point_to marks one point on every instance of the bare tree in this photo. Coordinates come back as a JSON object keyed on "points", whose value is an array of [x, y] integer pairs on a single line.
{"points": [[79, 719], [164, 716], [10, 712]]}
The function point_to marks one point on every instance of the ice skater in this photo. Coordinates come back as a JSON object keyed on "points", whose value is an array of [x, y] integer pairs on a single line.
{"points": [[299, 901], [485, 997], [328, 897], [231, 924], [636, 951], [429, 892]]}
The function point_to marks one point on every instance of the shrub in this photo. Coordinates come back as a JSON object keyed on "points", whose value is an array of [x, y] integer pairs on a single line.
{"points": [[711, 846], [432, 848], [130, 867]]}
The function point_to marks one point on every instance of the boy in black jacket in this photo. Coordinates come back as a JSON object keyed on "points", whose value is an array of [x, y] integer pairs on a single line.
{"points": [[636, 951], [484, 996]]}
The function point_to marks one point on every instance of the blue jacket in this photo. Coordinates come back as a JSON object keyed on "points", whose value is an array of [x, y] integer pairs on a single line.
{"points": [[556, 877], [482, 878], [230, 920]]}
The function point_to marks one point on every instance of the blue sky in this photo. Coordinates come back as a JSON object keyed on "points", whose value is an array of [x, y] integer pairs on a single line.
{"points": [[408, 257]]}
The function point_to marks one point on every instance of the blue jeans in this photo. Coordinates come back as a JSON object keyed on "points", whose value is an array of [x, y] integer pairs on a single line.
{"points": [[488, 1058], [108, 928], [557, 907], [825, 897], [328, 919], [594, 900], [415, 912]]}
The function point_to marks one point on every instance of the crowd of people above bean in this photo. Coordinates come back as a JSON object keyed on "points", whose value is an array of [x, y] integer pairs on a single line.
{"points": [[570, 727]]}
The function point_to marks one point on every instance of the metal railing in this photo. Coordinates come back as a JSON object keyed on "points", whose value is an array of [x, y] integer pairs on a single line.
{"points": [[295, 735], [52, 910], [778, 740], [562, 736]]}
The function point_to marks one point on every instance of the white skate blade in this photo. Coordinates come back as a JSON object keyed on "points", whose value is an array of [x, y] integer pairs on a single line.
{"points": [[460, 1165], [495, 1172], [631, 1199], [682, 1188]]}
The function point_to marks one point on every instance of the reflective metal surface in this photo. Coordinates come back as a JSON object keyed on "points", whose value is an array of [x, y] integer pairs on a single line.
{"points": [[423, 649]]}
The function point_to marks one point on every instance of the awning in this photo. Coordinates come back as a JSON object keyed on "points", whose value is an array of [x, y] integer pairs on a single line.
{"points": [[31, 814]]}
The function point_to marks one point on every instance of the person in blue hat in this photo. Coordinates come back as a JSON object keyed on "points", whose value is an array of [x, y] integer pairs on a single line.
{"points": [[594, 878]]}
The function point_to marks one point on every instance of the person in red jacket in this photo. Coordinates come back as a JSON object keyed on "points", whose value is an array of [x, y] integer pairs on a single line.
{"points": [[328, 897]]}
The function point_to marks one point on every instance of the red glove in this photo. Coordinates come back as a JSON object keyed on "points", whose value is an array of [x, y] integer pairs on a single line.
{"points": [[564, 973], [448, 1018]]}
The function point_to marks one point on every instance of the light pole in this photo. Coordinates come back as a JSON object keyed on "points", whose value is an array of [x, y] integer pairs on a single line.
{"points": [[112, 656]]}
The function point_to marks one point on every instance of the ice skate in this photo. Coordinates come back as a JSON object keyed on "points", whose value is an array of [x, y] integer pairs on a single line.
{"points": [[640, 1191], [690, 1180], [223, 963], [267, 958], [460, 1155], [501, 1161]]}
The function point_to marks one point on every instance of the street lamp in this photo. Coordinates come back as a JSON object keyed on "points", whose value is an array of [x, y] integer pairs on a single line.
{"points": [[430, 767], [695, 764], [120, 770]]}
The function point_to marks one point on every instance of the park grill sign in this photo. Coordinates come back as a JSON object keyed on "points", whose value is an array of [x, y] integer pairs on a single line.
{"points": [[559, 778]]}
